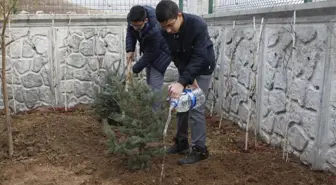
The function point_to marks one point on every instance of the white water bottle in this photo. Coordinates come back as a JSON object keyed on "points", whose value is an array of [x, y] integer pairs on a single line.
{"points": [[188, 100]]}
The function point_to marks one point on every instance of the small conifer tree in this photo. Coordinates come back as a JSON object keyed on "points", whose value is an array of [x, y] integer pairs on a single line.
{"points": [[131, 113]]}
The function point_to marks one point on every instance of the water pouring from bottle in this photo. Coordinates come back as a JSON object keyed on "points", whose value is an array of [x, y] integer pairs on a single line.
{"points": [[191, 97]]}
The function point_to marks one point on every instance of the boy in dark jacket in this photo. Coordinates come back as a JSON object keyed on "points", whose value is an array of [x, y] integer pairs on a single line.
{"points": [[143, 27], [193, 54]]}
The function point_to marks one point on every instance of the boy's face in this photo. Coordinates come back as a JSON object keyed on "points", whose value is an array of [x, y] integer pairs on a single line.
{"points": [[138, 25], [173, 25]]}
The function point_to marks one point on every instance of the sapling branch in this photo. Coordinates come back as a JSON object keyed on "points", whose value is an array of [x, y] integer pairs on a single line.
{"points": [[253, 85], [285, 152], [227, 83], [11, 41], [130, 112], [251, 91]]}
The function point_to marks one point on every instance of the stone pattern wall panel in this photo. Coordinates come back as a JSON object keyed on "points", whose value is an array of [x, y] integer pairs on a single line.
{"points": [[215, 89], [84, 56], [238, 74], [28, 68], [64, 66], [292, 86], [330, 137]]}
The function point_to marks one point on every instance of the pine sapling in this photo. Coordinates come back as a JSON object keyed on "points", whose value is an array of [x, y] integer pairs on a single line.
{"points": [[133, 116]]}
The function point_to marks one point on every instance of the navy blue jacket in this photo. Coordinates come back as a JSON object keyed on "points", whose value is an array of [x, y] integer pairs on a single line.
{"points": [[152, 45], [191, 49]]}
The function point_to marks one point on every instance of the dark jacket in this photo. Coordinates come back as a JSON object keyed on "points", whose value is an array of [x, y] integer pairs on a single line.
{"points": [[191, 49], [152, 45]]}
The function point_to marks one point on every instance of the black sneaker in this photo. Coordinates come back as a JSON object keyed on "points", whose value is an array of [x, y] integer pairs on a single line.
{"points": [[197, 154], [181, 146]]}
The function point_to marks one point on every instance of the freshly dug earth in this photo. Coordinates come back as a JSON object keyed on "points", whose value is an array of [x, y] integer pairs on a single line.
{"points": [[70, 149]]}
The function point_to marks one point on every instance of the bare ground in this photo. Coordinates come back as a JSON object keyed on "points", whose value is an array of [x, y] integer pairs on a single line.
{"points": [[61, 148]]}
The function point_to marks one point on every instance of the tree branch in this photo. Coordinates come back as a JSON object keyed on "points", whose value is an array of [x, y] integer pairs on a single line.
{"points": [[10, 42], [12, 6], [5, 20], [2, 6], [4, 29]]}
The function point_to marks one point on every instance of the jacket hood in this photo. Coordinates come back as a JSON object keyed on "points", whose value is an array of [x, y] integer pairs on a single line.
{"points": [[151, 15]]}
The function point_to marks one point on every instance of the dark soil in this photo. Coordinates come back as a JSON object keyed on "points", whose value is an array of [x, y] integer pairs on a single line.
{"points": [[53, 147]]}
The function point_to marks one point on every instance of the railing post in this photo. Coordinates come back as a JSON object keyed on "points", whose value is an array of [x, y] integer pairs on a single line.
{"points": [[211, 3], [181, 5]]}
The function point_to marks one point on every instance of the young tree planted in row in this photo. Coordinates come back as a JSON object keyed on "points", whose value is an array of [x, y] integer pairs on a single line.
{"points": [[7, 8], [134, 130]]}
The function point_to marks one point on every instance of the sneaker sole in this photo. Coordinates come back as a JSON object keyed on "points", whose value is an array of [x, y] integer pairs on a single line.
{"points": [[184, 152], [182, 163]]}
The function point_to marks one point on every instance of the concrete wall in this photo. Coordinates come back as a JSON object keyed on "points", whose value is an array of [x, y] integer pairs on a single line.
{"points": [[281, 85], [60, 61]]}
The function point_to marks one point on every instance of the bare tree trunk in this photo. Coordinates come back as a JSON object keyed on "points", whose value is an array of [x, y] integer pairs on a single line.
{"points": [[4, 90]]}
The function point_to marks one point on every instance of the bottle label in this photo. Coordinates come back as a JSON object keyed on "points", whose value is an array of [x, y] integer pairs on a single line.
{"points": [[192, 98], [173, 102]]}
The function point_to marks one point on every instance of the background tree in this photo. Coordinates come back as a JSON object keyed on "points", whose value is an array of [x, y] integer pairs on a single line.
{"points": [[7, 8]]}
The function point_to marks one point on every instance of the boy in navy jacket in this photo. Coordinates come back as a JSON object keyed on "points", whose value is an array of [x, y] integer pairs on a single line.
{"points": [[143, 27], [193, 54]]}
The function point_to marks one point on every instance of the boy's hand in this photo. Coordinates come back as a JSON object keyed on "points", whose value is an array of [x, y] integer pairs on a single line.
{"points": [[130, 56], [175, 90]]}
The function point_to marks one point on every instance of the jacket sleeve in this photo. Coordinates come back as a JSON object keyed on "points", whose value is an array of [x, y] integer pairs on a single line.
{"points": [[198, 59], [151, 52], [130, 38]]}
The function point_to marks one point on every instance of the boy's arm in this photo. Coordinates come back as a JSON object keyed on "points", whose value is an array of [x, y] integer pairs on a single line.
{"points": [[151, 52]]}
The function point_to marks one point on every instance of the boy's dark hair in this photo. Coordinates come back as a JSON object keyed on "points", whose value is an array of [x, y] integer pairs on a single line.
{"points": [[165, 10], [137, 13]]}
